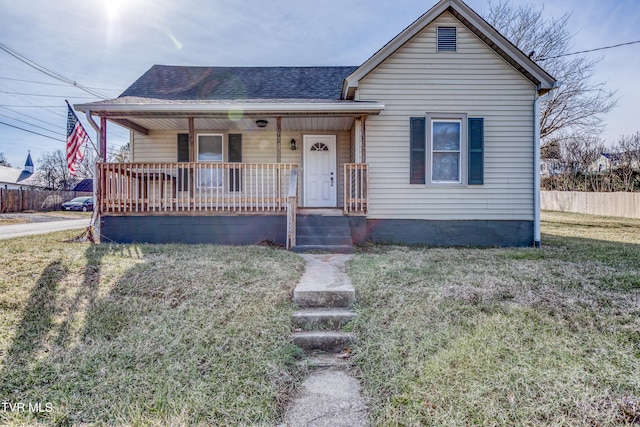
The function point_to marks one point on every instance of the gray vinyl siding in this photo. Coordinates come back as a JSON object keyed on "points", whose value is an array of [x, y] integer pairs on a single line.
{"points": [[416, 80]]}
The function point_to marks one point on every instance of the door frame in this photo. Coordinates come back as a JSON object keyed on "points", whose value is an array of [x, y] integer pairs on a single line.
{"points": [[334, 161]]}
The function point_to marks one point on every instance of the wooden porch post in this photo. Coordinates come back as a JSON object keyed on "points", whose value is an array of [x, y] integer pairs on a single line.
{"points": [[363, 137], [192, 138], [103, 138], [278, 139]]}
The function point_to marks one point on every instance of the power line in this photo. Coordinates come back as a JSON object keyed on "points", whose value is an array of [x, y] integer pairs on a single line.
{"points": [[33, 106], [588, 50], [33, 64], [30, 131], [27, 115], [48, 96], [53, 84], [30, 124]]}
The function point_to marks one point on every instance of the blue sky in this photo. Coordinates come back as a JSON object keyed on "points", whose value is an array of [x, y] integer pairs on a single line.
{"points": [[107, 44]]}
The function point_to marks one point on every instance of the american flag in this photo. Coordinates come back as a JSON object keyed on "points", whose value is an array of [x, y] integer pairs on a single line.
{"points": [[76, 138]]}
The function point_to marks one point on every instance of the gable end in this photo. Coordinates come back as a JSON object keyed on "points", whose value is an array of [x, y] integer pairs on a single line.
{"points": [[477, 25]]}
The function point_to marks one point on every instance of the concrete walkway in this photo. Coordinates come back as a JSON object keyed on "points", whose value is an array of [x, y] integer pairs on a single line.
{"points": [[28, 229], [330, 396]]}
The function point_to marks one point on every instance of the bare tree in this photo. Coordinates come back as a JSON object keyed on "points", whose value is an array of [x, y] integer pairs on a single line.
{"points": [[86, 167], [122, 155], [52, 172], [4, 161], [628, 152], [578, 105]]}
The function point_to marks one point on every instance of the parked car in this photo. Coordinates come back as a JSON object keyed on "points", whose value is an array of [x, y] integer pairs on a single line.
{"points": [[83, 204]]}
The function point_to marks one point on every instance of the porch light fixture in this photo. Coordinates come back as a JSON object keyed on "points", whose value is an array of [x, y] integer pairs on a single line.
{"points": [[293, 144], [261, 123]]}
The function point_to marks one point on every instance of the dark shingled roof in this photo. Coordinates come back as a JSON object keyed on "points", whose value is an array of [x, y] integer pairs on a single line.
{"points": [[84, 185], [217, 83]]}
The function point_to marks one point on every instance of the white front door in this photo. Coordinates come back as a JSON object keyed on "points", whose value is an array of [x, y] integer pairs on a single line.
{"points": [[320, 177]]}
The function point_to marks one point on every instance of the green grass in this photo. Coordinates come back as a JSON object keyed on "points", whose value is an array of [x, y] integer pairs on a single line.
{"points": [[145, 334], [458, 337]]}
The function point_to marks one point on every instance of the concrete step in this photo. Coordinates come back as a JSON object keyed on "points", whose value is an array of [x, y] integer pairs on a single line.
{"points": [[329, 230], [322, 240], [329, 341], [322, 317], [322, 359], [321, 220], [331, 249], [324, 298], [323, 234], [324, 283]]}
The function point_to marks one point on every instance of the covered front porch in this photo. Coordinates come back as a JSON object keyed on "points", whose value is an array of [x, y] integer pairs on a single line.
{"points": [[209, 188], [252, 160]]}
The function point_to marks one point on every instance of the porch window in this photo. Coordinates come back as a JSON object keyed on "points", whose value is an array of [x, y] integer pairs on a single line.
{"points": [[210, 151]]}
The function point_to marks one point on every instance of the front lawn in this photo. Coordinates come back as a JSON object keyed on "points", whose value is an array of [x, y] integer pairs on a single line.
{"points": [[199, 335], [144, 334], [459, 337]]}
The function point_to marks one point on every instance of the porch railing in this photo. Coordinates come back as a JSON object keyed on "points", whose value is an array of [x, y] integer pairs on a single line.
{"points": [[194, 187], [356, 178]]}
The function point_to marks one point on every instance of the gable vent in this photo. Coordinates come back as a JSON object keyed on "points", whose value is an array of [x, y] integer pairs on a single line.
{"points": [[446, 39]]}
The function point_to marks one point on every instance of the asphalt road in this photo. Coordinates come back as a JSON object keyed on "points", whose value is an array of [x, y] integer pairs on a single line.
{"points": [[28, 229]]}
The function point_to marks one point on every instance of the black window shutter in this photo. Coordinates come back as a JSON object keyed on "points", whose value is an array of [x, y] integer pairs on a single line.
{"points": [[183, 156], [183, 147], [476, 151], [235, 156], [235, 147], [417, 146]]}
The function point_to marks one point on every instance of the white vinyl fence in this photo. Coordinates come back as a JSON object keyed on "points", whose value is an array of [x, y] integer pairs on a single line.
{"points": [[619, 204]]}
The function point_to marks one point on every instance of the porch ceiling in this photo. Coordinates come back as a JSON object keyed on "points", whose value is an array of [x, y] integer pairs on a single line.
{"points": [[322, 123], [144, 114]]}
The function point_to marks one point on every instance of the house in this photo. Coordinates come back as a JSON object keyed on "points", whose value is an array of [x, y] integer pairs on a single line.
{"points": [[433, 140], [86, 185], [17, 179], [607, 162]]}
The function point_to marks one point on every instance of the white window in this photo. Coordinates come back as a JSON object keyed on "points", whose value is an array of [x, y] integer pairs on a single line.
{"points": [[210, 150], [446, 141]]}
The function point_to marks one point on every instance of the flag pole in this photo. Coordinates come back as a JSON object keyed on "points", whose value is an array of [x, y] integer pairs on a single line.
{"points": [[93, 232]]}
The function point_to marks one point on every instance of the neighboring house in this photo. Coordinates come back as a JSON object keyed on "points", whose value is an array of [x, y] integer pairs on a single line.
{"points": [[610, 161], [551, 167], [86, 185], [16, 179], [432, 140]]}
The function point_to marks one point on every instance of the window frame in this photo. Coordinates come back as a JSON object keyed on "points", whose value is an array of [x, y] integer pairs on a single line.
{"points": [[202, 182], [463, 164]]}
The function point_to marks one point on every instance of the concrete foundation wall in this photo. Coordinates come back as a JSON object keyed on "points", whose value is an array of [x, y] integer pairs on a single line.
{"points": [[248, 230], [225, 230], [619, 204], [451, 233]]}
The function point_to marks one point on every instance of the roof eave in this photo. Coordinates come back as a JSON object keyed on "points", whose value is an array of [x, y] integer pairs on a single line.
{"points": [[213, 108]]}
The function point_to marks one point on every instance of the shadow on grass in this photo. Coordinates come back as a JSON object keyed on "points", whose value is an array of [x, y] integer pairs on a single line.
{"points": [[44, 331], [39, 314], [154, 334]]}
